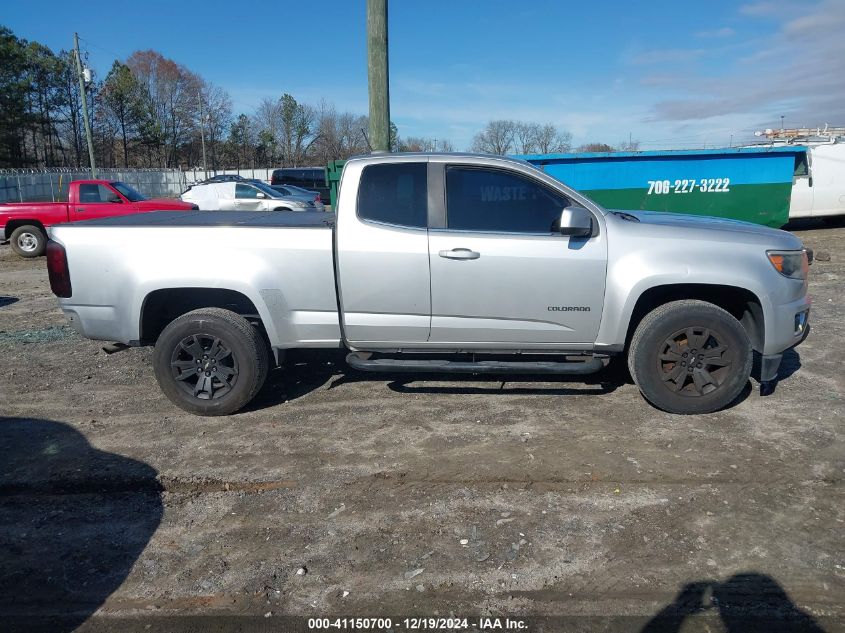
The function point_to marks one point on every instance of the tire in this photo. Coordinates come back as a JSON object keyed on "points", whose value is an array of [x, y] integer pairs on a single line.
{"points": [[233, 374], [665, 340], [29, 241]]}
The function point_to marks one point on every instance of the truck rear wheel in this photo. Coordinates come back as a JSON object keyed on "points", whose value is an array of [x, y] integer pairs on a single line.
{"points": [[210, 361], [28, 241], [690, 357]]}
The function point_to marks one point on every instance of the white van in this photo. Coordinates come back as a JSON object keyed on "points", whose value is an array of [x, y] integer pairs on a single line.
{"points": [[818, 187]]}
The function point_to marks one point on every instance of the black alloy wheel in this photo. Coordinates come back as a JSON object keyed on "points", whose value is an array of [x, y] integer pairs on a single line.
{"points": [[690, 357], [211, 361], [693, 362], [204, 367]]}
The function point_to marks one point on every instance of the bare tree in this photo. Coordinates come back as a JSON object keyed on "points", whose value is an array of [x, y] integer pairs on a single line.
{"points": [[169, 93], [217, 113], [522, 137], [629, 146], [525, 137], [420, 144], [496, 138], [534, 138], [337, 135], [596, 147], [550, 140], [268, 122]]}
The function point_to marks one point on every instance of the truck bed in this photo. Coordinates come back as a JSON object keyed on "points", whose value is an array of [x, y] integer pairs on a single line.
{"points": [[287, 274], [252, 219]]}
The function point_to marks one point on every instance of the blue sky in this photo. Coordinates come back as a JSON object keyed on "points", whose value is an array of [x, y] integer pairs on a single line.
{"points": [[670, 74]]}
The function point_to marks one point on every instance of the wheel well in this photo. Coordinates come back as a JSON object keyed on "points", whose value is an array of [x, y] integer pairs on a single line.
{"points": [[281, 209], [11, 225], [162, 306], [742, 304]]}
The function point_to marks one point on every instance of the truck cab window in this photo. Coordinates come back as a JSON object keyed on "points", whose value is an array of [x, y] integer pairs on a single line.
{"points": [[499, 201], [90, 194], [395, 194]]}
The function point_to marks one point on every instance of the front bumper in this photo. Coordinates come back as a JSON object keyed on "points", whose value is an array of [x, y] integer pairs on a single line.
{"points": [[782, 325], [790, 329]]}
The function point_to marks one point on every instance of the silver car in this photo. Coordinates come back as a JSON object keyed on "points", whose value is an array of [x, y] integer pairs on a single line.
{"points": [[301, 194], [244, 196]]}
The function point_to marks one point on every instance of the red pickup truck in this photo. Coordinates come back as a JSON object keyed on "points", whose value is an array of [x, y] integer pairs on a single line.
{"points": [[25, 223]]}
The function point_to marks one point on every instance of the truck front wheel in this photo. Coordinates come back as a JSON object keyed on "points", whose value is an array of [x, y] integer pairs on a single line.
{"points": [[690, 357], [210, 361], [28, 241]]}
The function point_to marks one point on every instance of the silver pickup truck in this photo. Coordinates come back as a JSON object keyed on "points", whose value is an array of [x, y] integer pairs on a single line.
{"points": [[439, 263]]}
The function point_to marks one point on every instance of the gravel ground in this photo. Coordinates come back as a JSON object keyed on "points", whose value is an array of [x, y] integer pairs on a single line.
{"points": [[340, 494]]}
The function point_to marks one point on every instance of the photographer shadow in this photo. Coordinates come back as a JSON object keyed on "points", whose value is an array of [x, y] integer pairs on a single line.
{"points": [[73, 522], [746, 603]]}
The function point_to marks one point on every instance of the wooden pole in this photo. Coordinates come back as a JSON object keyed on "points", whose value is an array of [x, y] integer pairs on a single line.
{"points": [[378, 75], [84, 97], [202, 136]]}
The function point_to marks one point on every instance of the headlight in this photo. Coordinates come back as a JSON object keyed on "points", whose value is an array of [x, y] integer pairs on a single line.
{"points": [[792, 264]]}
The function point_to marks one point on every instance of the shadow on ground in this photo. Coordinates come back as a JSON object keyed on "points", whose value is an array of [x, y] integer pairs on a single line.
{"points": [[745, 603], [789, 364], [6, 301], [305, 371], [73, 521]]}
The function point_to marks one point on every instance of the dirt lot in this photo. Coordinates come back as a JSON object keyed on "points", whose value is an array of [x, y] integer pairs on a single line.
{"points": [[414, 497]]}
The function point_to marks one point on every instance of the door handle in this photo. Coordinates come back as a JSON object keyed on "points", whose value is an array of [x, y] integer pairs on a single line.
{"points": [[78, 209], [460, 253]]}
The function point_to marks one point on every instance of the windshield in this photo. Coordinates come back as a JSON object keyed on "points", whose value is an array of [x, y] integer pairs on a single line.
{"points": [[128, 192], [297, 191], [266, 189]]}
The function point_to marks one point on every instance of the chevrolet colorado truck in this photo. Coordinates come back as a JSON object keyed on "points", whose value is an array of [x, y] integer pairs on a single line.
{"points": [[439, 263], [25, 224]]}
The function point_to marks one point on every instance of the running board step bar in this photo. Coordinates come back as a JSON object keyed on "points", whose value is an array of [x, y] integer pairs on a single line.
{"points": [[480, 367]]}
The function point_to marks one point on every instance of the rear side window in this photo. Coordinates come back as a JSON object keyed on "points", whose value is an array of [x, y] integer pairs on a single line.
{"points": [[395, 194], [500, 201]]}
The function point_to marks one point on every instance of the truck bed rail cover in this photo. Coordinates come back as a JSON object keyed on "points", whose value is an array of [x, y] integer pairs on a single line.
{"points": [[268, 219]]}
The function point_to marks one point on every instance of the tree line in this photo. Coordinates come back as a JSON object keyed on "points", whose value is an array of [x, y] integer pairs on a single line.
{"points": [[505, 136], [151, 111]]}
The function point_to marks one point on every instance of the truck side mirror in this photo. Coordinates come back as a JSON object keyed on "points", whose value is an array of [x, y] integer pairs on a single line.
{"points": [[115, 199], [576, 222], [260, 195]]}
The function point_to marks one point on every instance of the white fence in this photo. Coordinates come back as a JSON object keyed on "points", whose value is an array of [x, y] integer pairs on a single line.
{"points": [[51, 185]]}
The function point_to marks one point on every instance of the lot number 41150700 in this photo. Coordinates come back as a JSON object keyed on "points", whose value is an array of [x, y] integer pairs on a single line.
{"points": [[705, 185]]}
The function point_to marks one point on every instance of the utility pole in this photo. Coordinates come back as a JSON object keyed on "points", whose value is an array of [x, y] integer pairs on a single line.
{"points": [[84, 105], [202, 136], [378, 75]]}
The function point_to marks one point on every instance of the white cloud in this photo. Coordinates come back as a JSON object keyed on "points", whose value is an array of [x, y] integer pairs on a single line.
{"points": [[725, 31], [758, 9], [667, 56], [796, 73]]}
